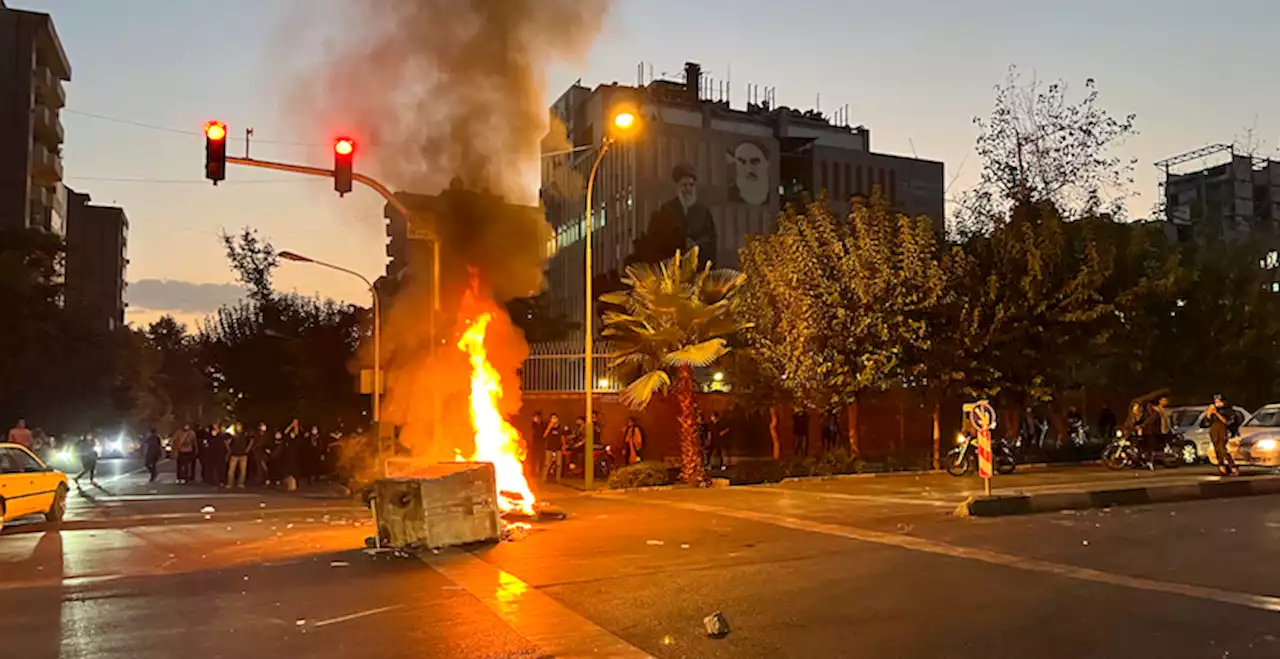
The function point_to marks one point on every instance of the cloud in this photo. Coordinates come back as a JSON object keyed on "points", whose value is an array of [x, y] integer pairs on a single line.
{"points": [[180, 297]]}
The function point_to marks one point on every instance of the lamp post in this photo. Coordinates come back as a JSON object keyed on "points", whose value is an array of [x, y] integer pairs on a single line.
{"points": [[624, 124], [377, 343]]}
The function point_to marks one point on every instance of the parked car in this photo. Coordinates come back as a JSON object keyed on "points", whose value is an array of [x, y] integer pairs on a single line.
{"points": [[29, 487], [1186, 421]]}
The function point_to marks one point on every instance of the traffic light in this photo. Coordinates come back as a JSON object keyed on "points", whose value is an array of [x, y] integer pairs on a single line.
{"points": [[215, 151], [344, 150]]}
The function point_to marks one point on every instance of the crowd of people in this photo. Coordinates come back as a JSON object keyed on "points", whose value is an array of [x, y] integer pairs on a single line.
{"points": [[235, 456]]}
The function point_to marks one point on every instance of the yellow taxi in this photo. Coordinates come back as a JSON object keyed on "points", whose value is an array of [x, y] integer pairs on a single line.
{"points": [[29, 487]]}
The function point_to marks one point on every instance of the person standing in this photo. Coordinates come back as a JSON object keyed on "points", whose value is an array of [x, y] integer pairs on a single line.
{"points": [[1151, 432], [152, 451], [1107, 423], [260, 454], [718, 440], [537, 446], [19, 434], [239, 445], [184, 449], [1220, 417], [632, 442], [553, 444], [87, 450]]}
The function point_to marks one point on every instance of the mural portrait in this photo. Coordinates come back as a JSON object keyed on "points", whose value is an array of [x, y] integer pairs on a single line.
{"points": [[683, 221], [750, 163]]}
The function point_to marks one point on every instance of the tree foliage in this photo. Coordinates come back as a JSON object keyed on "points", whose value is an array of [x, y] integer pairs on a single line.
{"points": [[672, 318], [1039, 146], [838, 304]]}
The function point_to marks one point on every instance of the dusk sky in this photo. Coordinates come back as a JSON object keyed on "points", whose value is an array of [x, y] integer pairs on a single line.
{"points": [[148, 73]]}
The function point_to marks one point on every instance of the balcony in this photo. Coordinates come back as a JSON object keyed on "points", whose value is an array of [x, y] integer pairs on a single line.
{"points": [[47, 126], [46, 167], [48, 88]]}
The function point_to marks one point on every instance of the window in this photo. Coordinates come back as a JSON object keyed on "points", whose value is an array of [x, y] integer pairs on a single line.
{"points": [[848, 180], [1272, 261], [17, 461], [880, 180], [860, 189], [893, 186], [825, 183]]}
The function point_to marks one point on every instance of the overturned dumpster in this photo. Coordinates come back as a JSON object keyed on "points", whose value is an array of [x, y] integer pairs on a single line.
{"points": [[441, 505]]}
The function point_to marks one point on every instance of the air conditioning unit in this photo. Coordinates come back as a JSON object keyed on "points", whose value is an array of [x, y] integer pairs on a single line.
{"points": [[442, 505]]}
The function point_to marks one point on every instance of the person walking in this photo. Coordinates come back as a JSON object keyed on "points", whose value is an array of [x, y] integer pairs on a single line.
{"points": [[1221, 418], [239, 445], [184, 449], [632, 442], [152, 452], [19, 434], [87, 450]]}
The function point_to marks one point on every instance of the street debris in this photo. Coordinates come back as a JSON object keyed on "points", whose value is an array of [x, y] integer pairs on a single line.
{"points": [[300, 622], [208, 509], [716, 624], [1084, 542], [516, 530], [655, 543], [682, 545], [339, 564]]}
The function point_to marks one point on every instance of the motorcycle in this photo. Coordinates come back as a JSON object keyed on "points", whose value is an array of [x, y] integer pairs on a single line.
{"points": [[963, 459], [1126, 451], [604, 459], [1078, 433]]}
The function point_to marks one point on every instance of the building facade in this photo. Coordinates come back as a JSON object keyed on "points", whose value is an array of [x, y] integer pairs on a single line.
{"points": [[726, 171], [31, 134], [97, 260]]}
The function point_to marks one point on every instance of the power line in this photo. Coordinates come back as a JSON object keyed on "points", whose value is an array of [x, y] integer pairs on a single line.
{"points": [[112, 179], [170, 129]]}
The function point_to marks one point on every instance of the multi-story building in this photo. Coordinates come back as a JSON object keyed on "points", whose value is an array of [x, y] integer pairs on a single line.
{"points": [[31, 135], [698, 157], [1239, 196], [97, 257]]}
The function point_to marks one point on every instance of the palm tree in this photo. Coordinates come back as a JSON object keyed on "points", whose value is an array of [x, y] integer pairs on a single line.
{"points": [[674, 317]]}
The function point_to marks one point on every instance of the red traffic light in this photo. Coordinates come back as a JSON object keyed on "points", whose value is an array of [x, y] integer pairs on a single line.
{"points": [[344, 146], [215, 130]]}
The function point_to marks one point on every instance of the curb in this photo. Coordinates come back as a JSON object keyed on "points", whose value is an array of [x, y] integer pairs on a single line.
{"points": [[1031, 466], [1001, 505]]}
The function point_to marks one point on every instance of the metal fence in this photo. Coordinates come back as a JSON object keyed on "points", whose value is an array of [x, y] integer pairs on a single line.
{"points": [[558, 366]]}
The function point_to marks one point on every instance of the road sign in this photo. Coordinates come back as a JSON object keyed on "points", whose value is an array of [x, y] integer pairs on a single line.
{"points": [[419, 234], [983, 417]]}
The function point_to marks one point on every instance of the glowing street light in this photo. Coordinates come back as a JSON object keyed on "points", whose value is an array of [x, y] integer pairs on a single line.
{"points": [[377, 338], [625, 125]]}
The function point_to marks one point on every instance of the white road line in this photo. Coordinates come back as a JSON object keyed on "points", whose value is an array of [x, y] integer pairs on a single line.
{"points": [[555, 629], [869, 498], [355, 616], [1250, 600]]}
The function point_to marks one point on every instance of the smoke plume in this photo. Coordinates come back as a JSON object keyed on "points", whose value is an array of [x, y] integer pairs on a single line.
{"points": [[441, 93]]}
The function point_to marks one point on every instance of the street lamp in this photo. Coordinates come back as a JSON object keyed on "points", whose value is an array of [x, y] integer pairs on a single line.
{"points": [[624, 125], [377, 342]]}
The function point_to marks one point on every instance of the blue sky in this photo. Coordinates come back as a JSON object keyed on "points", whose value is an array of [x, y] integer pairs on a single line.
{"points": [[914, 71]]}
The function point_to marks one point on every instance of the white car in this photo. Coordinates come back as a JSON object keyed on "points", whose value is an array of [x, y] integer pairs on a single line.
{"points": [[1186, 421], [1259, 441]]}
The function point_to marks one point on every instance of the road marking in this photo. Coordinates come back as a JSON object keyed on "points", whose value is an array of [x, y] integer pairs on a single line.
{"points": [[869, 498], [1250, 600], [355, 616], [555, 629]]}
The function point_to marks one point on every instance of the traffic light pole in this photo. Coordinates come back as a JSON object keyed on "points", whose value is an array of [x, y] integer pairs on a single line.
{"points": [[406, 214]]}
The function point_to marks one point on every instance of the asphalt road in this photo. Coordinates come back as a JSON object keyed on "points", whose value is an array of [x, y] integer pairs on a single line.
{"points": [[814, 569]]}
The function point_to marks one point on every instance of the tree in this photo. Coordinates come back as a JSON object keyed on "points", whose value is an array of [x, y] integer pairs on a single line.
{"points": [[673, 317], [295, 365], [837, 304], [1038, 146], [181, 376], [254, 261]]}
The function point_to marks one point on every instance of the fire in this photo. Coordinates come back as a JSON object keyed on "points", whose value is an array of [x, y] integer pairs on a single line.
{"points": [[497, 441]]}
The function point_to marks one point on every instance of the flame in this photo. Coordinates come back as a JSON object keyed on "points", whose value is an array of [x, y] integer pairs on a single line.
{"points": [[497, 442]]}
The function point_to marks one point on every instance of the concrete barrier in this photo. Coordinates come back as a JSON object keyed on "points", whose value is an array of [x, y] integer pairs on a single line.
{"points": [[999, 505]]}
